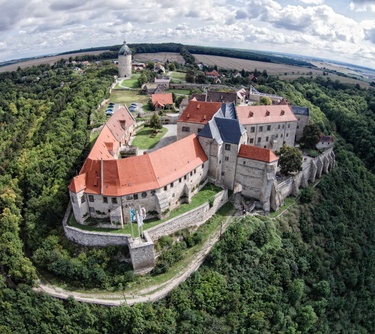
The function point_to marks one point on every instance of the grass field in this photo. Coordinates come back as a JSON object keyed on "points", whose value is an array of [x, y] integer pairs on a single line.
{"points": [[178, 77], [179, 91], [145, 140], [127, 97], [130, 83]]}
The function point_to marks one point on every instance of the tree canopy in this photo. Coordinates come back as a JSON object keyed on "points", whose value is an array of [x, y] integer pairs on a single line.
{"points": [[290, 159]]}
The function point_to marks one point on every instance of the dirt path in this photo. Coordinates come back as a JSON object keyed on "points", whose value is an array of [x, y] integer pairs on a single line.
{"points": [[149, 294]]}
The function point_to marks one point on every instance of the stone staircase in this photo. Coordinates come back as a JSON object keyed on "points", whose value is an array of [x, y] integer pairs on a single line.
{"points": [[163, 202]]}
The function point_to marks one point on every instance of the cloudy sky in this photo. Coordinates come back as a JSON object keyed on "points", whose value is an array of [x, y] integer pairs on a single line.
{"points": [[334, 29]]}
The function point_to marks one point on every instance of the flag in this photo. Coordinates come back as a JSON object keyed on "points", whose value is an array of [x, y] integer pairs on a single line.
{"points": [[139, 219], [132, 215]]}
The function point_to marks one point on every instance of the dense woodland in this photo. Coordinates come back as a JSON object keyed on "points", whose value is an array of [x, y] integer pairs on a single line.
{"points": [[310, 271]]}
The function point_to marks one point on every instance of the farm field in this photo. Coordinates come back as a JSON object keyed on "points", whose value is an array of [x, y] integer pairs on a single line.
{"points": [[46, 60], [161, 57]]}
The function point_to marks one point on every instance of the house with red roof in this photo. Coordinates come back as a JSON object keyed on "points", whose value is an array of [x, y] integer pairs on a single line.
{"points": [[162, 101]]}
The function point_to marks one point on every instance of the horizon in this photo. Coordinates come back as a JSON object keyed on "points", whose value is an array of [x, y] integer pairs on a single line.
{"points": [[329, 29]]}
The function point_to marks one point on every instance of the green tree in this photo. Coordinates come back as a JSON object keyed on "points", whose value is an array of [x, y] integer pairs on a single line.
{"points": [[265, 101], [290, 159], [155, 122], [311, 135]]}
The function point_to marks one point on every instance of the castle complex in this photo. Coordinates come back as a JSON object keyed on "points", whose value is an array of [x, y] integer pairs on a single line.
{"points": [[232, 147]]}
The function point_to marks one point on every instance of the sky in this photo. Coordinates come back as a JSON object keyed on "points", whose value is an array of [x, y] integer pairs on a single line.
{"points": [[342, 30]]}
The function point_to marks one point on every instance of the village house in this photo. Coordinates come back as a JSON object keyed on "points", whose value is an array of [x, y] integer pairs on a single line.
{"points": [[164, 82], [162, 101]]}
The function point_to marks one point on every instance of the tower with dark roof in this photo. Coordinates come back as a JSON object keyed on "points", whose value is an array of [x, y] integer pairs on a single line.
{"points": [[125, 62]]}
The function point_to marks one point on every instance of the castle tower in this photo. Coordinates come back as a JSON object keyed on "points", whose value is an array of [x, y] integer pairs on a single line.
{"points": [[124, 62]]}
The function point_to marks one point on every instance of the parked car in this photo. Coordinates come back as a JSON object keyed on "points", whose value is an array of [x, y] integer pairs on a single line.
{"points": [[111, 105], [109, 112], [133, 108]]}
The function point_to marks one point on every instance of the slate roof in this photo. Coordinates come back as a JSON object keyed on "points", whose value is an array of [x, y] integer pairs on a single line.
{"points": [[265, 114], [257, 153], [212, 96], [297, 110], [223, 130]]}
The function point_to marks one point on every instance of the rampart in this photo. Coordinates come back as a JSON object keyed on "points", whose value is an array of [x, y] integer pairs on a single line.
{"points": [[313, 169], [142, 251]]}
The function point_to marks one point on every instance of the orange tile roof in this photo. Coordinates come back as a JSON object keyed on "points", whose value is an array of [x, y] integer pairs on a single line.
{"points": [[145, 172], [104, 142], [199, 112], [78, 183], [162, 99], [115, 123], [265, 114], [257, 153]]}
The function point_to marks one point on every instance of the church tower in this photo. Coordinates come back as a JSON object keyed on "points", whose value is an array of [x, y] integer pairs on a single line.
{"points": [[124, 62]]}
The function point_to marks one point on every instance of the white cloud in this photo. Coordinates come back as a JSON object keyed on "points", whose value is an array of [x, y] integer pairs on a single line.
{"points": [[312, 2]]}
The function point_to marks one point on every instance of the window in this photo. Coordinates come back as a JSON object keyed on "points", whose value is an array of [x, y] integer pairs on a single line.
{"points": [[227, 147], [185, 177], [91, 209], [172, 185], [277, 135], [114, 200], [135, 196], [226, 158], [287, 135], [283, 126], [278, 126], [72, 199], [268, 127], [185, 129], [199, 130], [222, 173], [251, 140], [244, 162], [297, 126], [129, 197], [91, 198], [105, 199], [281, 136], [259, 139], [153, 192], [260, 128], [180, 180], [195, 171], [252, 129], [83, 199], [267, 139], [288, 126], [144, 195], [166, 188]]}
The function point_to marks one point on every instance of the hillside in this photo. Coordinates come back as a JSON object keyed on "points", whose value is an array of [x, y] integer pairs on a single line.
{"points": [[309, 271]]}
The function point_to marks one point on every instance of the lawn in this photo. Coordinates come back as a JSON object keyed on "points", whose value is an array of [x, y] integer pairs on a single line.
{"points": [[145, 140], [132, 82], [127, 97], [178, 77], [179, 91]]}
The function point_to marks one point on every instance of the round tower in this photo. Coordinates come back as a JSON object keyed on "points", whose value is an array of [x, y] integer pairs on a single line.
{"points": [[124, 62]]}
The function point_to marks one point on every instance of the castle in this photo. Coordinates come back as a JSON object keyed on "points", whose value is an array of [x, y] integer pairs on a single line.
{"points": [[232, 147]]}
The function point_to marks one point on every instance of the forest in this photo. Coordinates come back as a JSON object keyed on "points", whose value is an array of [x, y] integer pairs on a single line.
{"points": [[308, 271]]}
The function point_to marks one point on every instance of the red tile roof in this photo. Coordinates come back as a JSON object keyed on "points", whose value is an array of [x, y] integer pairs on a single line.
{"points": [[162, 99], [142, 173], [121, 117], [199, 112], [257, 153], [104, 142], [265, 114]]}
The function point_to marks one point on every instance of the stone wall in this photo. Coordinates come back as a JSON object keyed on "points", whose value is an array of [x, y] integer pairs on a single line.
{"points": [[195, 217], [142, 254], [312, 170]]}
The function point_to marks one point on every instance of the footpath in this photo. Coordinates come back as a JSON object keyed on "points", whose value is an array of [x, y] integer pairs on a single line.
{"points": [[149, 294]]}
